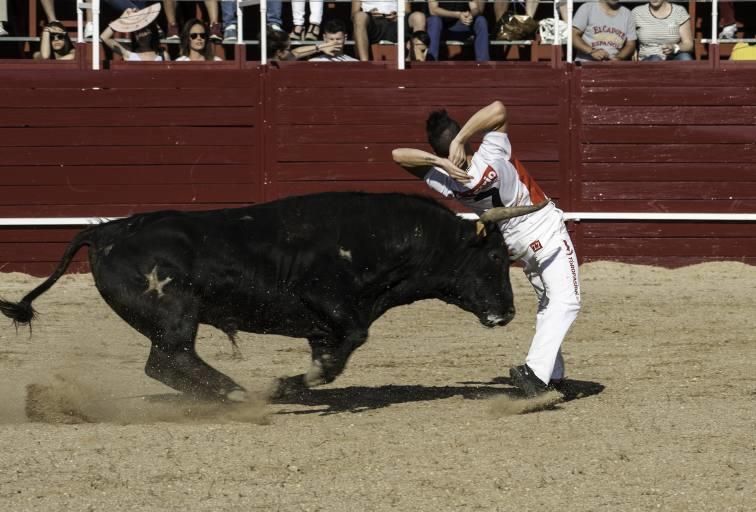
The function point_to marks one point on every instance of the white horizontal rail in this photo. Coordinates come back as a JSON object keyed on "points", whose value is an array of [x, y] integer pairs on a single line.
{"points": [[576, 216]]}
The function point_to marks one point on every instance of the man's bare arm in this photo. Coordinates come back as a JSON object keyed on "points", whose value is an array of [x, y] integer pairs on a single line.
{"points": [[490, 118], [418, 162]]}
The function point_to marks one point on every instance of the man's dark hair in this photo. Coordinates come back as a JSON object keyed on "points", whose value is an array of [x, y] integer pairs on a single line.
{"points": [[334, 26], [441, 130], [277, 41]]}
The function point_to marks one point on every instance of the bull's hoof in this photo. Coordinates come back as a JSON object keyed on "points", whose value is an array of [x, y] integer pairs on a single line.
{"points": [[287, 387], [237, 396]]}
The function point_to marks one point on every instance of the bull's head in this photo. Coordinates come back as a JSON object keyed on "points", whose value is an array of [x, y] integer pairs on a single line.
{"points": [[482, 277]]}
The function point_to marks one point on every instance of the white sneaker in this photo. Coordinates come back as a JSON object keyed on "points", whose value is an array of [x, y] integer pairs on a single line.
{"points": [[728, 32], [229, 34], [88, 30], [3, 32]]}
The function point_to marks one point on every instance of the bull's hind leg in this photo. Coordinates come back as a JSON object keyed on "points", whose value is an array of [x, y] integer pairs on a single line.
{"points": [[170, 321]]}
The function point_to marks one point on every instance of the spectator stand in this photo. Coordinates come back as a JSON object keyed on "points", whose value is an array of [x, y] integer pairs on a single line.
{"points": [[25, 17]]}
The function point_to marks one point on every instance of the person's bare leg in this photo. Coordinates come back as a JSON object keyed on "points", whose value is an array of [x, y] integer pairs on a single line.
{"points": [[361, 43], [417, 21], [212, 10], [500, 8], [170, 11], [530, 7], [49, 7]]}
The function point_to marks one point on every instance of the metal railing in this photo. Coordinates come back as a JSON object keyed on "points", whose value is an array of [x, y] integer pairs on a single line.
{"points": [[240, 5]]}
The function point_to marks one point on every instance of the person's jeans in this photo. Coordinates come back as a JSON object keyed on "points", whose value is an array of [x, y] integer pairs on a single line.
{"points": [[438, 25], [274, 12], [228, 10], [679, 56]]}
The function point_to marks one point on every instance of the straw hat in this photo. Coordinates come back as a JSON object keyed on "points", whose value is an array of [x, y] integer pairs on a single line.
{"points": [[136, 20]]}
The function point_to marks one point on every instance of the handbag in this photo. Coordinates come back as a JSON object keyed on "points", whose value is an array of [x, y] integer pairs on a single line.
{"points": [[515, 27]]}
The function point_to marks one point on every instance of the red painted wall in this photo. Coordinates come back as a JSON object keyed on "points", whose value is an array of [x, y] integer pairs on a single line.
{"points": [[626, 137]]}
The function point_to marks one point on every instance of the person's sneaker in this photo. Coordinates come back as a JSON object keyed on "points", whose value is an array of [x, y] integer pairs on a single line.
{"points": [[728, 32], [229, 34], [524, 379], [215, 32], [275, 27], [3, 32], [88, 30], [173, 32]]}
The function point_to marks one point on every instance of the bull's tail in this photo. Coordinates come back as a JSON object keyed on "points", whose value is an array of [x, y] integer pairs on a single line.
{"points": [[22, 312]]}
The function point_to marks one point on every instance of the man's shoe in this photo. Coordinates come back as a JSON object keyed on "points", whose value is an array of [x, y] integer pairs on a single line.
{"points": [[173, 32], [230, 34], [524, 379], [215, 32], [275, 27]]}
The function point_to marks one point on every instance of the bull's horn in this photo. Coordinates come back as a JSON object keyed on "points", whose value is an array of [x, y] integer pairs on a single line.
{"points": [[504, 213]]}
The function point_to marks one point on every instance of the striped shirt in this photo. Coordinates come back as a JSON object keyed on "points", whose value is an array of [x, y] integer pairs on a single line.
{"points": [[654, 32]]}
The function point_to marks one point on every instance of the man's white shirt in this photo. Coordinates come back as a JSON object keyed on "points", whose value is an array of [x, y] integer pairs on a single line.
{"points": [[496, 181]]}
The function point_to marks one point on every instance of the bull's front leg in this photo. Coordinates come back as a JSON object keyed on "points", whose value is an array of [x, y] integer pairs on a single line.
{"points": [[329, 358]]}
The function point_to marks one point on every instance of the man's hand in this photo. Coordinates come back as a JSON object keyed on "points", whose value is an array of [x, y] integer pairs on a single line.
{"points": [[466, 18], [454, 171], [333, 48], [457, 155], [599, 54]]}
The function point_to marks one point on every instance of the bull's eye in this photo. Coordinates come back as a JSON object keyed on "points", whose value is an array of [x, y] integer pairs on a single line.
{"points": [[495, 256]]}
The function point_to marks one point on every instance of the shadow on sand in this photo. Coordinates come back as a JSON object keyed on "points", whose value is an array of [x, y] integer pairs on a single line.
{"points": [[362, 398]]}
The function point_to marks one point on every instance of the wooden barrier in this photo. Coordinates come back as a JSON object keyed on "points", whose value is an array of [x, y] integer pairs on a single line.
{"points": [[654, 137]]}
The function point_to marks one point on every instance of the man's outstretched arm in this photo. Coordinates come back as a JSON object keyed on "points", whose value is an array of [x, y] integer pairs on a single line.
{"points": [[418, 162]]}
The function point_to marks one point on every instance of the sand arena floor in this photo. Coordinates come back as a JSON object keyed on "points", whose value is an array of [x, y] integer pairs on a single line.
{"points": [[662, 362]]}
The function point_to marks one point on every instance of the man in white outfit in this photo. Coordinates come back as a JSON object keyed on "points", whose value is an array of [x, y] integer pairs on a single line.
{"points": [[539, 240]]}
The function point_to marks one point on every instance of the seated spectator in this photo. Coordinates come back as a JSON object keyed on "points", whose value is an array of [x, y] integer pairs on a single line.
{"points": [[212, 13], [3, 17], [194, 42], [603, 30], [417, 47], [458, 20], [279, 47], [332, 49], [375, 21], [55, 43], [663, 31], [145, 41], [298, 16]]}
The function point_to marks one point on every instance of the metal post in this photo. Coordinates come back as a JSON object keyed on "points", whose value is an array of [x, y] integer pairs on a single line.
{"points": [[557, 35], [79, 22], [400, 11], [239, 26], [95, 34], [714, 23], [264, 32], [570, 7]]}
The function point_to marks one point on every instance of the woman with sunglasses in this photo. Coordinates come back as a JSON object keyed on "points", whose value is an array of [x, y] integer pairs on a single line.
{"points": [[194, 42], [55, 43], [145, 42]]}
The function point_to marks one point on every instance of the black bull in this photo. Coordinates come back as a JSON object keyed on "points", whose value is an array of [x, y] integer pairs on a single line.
{"points": [[322, 267]]}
